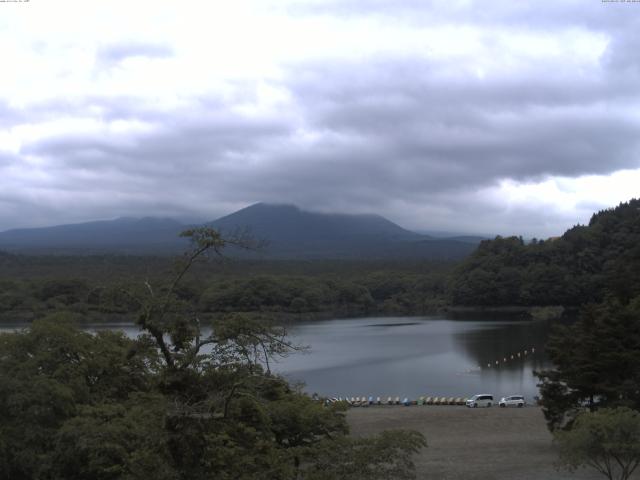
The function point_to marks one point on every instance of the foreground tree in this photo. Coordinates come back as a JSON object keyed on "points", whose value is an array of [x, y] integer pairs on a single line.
{"points": [[49, 375], [179, 402], [607, 440], [597, 363]]}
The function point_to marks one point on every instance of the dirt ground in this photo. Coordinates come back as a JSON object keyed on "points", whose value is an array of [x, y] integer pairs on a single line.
{"points": [[472, 444]]}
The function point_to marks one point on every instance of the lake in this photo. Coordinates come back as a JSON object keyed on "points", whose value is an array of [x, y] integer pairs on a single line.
{"points": [[412, 356]]}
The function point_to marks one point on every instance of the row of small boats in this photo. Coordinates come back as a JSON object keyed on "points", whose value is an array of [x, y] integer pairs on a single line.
{"points": [[366, 401]]}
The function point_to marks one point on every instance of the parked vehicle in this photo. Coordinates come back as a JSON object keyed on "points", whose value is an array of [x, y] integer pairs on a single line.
{"points": [[480, 400], [512, 401]]}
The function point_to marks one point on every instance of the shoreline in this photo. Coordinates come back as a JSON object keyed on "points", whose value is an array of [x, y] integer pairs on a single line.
{"points": [[288, 318]]}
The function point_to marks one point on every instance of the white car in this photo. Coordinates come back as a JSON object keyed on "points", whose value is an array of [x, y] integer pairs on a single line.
{"points": [[512, 401], [481, 400]]}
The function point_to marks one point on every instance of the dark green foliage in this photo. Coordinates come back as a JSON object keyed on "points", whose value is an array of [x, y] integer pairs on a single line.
{"points": [[114, 441], [67, 291], [47, 374], [607, 440], [36, 286], [172, 404], [596, 363], [582, 266]]}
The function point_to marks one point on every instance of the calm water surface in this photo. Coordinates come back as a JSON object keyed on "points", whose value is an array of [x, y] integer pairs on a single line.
{"points": [[418, 356], [412, 356]]}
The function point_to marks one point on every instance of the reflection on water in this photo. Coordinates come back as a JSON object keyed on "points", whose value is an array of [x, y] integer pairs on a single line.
{"points": [[411, 356], [426, 356]]}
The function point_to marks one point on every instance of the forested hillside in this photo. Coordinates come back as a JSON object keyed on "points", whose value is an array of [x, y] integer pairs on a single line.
{"points": [[582, 266]]}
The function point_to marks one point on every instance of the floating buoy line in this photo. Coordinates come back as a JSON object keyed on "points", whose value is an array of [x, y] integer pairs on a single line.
{"points": [[512, 357], [502, 361]]}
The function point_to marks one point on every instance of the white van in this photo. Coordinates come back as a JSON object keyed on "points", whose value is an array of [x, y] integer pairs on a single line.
{"points": [[481, 400], [512, 401]]}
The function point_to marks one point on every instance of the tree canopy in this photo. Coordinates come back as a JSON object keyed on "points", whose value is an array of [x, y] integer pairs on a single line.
{"points": [[584, 265], [174, 403], [607, 440], [596, 362]]}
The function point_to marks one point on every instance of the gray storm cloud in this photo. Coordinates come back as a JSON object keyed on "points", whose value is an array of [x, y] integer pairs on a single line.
{"points": [[385, 134]]}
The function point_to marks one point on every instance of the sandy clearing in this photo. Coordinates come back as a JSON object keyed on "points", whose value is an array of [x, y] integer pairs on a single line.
{"points": [[472, 444]]}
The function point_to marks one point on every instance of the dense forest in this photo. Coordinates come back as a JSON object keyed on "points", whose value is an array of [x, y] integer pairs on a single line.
{"points": [[92, 286], [582, 266]]}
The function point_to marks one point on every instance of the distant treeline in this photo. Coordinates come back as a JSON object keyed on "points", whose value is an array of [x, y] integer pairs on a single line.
{"points": [[583, 266], [96, 286]]}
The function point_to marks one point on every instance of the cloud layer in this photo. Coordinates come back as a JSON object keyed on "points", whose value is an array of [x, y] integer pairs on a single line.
{"points": [[474, 116]]}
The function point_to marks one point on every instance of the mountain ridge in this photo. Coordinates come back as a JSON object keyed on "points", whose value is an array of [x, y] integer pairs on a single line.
{"points": [[289, 231]]}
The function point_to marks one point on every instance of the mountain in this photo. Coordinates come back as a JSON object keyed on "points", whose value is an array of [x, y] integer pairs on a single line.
{"points": [[122, 235], [288, 232], [290, 223], [292, 232]]}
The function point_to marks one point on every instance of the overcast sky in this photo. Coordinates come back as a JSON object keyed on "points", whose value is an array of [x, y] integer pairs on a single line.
{"points": [[505, 117]]}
